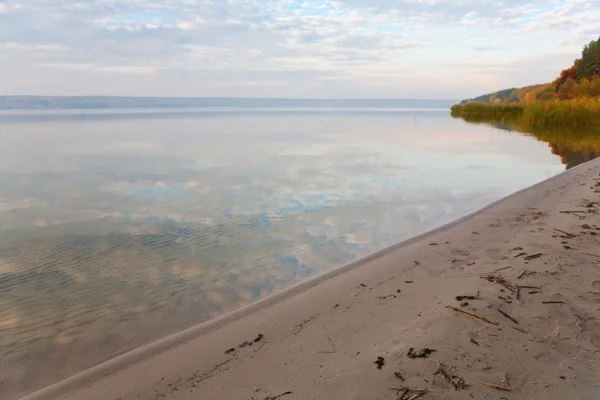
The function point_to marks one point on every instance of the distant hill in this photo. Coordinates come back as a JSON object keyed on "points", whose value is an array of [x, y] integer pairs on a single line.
{"points": [[579, 80], [513, 95], [108, 102]]}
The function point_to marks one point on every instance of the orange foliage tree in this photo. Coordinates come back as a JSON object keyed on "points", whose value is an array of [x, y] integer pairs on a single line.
{"points": [[569, 73]]}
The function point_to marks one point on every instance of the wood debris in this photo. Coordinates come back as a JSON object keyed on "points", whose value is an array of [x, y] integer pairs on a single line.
{"points": [[566, 233], [409, 394], [385, 297], [489, 321], [518, 329], [528, 287], [399, 376], [467, 297], [501, 281], [554, 302], [499, 387], [423, 353], [456, 381], [507, 316], [533, 256], [257, 339], [278, 396]]}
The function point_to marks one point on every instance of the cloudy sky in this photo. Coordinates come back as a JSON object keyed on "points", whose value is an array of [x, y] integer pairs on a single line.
{"points": [[288, 48]]}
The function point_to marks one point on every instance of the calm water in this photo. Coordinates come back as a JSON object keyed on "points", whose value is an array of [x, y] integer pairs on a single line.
{"points": [[119, 228]]}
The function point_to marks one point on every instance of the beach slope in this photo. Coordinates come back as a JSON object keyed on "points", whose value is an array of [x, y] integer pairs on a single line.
{"points": [[529, 275]]}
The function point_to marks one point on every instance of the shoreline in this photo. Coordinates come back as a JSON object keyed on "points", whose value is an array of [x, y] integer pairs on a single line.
{"points": [[150, 353]]}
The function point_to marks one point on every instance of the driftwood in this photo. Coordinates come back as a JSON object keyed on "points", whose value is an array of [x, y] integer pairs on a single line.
{"points": [[554, 302], [518, 329], [489, 321]]}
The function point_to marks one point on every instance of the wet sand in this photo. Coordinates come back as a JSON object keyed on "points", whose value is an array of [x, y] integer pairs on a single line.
{"points": [[349, 334]]}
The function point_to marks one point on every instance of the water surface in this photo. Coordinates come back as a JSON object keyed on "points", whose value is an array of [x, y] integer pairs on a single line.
{"points": [[118, 228]]}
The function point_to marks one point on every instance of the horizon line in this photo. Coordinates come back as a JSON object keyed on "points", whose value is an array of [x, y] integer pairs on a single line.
{"points": [[227, 97]]}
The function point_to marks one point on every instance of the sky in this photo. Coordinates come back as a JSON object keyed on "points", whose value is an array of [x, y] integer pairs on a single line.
{"points": [[449, 49]]}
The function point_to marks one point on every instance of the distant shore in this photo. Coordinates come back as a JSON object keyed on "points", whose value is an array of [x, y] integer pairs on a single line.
{"points": [[121, 102], [349, 334]]}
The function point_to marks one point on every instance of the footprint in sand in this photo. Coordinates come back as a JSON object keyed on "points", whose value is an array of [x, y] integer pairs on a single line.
{"points": [[591, 331], [494, 254]]}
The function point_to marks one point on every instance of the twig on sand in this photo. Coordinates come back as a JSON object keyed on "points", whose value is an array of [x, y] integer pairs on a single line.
{"points": [[499, 280], [519, 329], [399, 376], [404, 393], [278, 396], [499, 387], [408, 392], [518, 295], [554, 302], [521, 274], [521, 254], [416, 396], [507, 316], [533, 256], [572, 212], [489, 321], [466, 297], [528, 287], [566, 233], [503, 268]]}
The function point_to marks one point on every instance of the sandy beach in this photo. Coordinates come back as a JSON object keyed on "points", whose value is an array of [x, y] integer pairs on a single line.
{"points": [[527, 268]]}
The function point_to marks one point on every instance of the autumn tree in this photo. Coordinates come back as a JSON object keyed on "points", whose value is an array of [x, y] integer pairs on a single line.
{"points": [[530, 97], [569, 73], [567, 90]]}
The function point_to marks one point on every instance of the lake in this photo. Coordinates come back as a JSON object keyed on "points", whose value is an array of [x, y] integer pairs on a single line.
{"points": [[120, 227]]}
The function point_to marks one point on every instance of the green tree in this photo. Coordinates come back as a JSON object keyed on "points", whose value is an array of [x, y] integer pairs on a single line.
{"points": [[590, 60]]}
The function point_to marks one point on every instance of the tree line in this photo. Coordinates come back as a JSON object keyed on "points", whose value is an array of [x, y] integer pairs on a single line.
{"points": [[580, 80]]}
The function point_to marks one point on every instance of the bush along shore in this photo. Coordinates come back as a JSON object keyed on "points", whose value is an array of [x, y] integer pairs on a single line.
{"points": [[580, 112]]}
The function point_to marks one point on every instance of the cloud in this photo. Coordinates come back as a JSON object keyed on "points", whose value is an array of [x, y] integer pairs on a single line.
{"points": [[315, 48]]}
